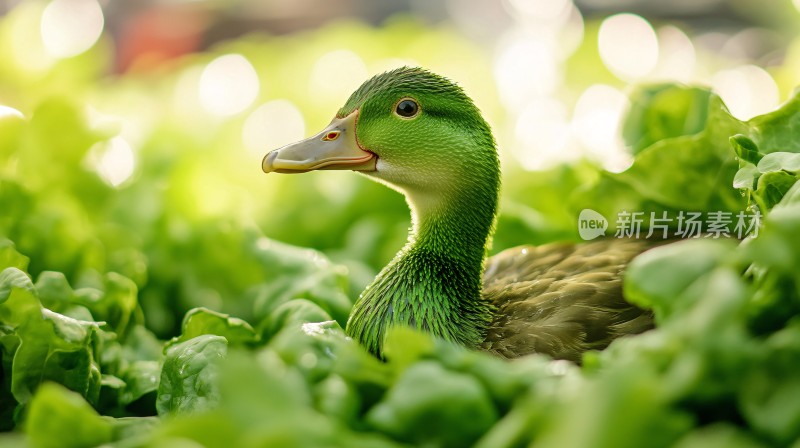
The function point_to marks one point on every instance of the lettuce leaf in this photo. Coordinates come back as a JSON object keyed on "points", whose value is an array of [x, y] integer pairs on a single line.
{"points": [[189, 376], [59, 417]]}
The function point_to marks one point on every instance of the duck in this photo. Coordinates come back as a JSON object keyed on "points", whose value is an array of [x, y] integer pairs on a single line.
{"points": [[419, 133]]}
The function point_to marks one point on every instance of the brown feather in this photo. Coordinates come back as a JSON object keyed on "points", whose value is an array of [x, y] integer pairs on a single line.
{"points": [[561, 299]]}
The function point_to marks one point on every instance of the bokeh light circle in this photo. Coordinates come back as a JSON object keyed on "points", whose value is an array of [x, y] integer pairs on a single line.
{"points": [[628, 46], [6, 112], [228, 85], [596, 122], [116, 162], [747, 91], [70, 27], [272, 125]]}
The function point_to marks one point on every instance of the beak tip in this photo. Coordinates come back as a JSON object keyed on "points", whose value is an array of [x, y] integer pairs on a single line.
{"points": [[266, 164]]}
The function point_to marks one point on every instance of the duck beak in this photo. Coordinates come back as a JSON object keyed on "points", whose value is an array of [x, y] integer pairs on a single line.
{"points": [[334, 148]]}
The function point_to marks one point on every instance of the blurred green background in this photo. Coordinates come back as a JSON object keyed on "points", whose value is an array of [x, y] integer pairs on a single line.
{"points": [[131, 133]]}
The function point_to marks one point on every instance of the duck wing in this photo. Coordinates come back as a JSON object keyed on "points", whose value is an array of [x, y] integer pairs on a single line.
{"points": [[561, 299]]}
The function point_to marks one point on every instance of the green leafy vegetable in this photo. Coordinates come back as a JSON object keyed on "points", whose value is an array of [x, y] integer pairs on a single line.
{"points": [[61, 418], [189, 376], [182, 306], [10, 258], [658, 279], [201, 321], [746, 149], [779, 161], [11, 278], [664, 111], [49, 346], [413, 412]]}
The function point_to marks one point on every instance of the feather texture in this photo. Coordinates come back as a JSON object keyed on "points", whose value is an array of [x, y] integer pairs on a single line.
{"points": [[561, 299]]}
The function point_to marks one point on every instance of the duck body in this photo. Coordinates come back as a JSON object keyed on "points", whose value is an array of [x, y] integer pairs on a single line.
{"points": [[561, 299], [421, 135]]}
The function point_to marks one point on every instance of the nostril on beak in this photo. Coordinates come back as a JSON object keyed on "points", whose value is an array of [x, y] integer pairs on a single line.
{"points": [[332, 135], [269, 159]]}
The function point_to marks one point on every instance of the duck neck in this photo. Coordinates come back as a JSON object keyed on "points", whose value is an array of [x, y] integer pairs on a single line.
{"points": [[455, 226], [434, 283]]}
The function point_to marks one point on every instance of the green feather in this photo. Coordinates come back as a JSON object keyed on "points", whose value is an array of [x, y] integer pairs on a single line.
{"points": [[445, 162]]}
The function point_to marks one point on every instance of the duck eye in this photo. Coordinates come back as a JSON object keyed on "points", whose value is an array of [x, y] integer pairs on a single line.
{"points": [[407, 108]]}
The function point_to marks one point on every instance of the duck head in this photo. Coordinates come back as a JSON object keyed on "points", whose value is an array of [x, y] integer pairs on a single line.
{"points": [[420, 134], [409, 128]]}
